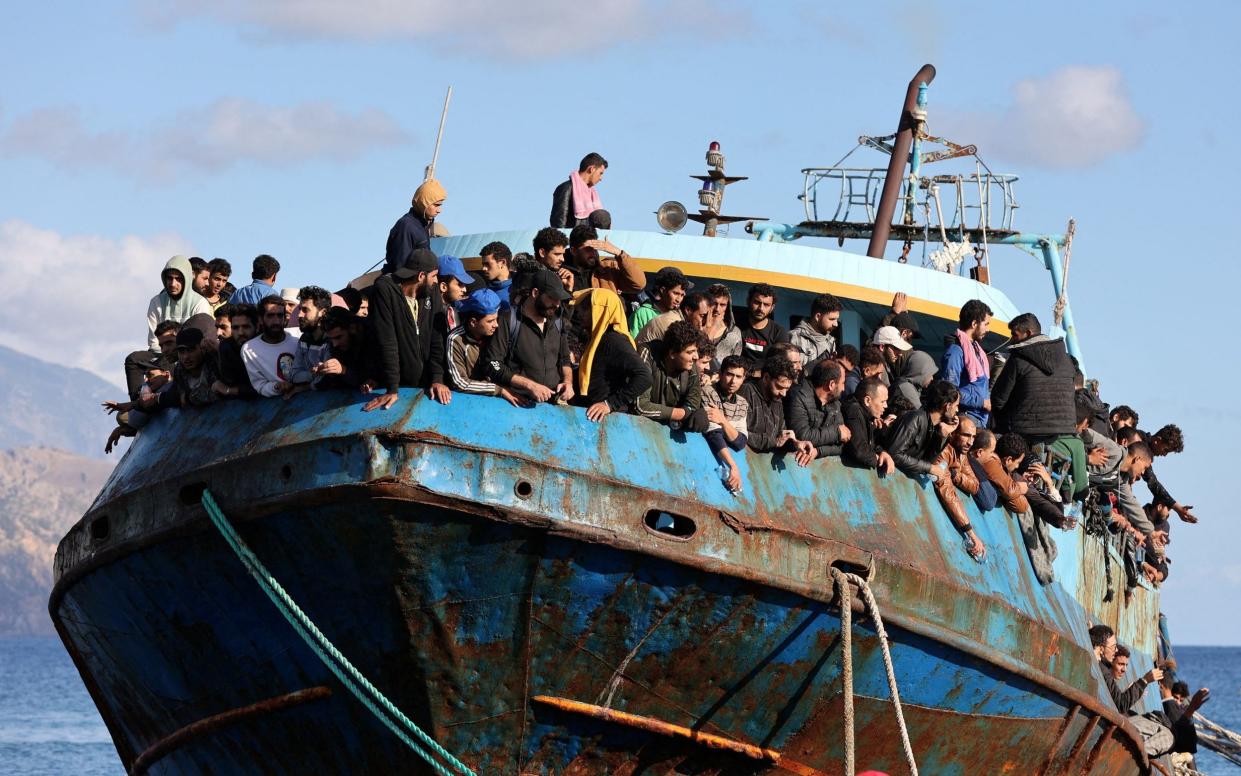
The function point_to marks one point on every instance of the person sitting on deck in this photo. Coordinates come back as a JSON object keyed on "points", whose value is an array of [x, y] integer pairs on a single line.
{"points": [[909, 371], [345, 362], [761, 331], [269, 358], [611, 375], [694, 308], [726, 416], [576, 199], [177, 302], [234, 380], [965, 363], [454, 285], [219, 290], [863, 413], [313, 303], [675, 395], [405, 315], [263, 274], [919, 436], [954, 458], [412, 231], [720, 328], [616, 272], [813, 336], [496, 271], [529, 353], [765, 426], [812, 412], [1033, 395], [668, 289]]}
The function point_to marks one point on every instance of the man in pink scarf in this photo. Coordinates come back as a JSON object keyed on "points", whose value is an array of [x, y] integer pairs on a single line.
{"points": [[575, 199], [965, 363]]}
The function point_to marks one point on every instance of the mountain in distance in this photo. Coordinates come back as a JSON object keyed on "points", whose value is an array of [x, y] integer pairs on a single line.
{"points": [[42, 493], [47, 405]]}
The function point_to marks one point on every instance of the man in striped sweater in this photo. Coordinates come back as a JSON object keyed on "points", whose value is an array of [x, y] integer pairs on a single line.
{"points": [[479, 318]]}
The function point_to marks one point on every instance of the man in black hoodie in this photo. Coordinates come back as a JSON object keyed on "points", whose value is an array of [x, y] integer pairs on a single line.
{"points": [[407, 320], [1034, 395]]}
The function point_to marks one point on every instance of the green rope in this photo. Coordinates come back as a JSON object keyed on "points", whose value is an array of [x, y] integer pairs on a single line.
{"points": [[378, 704]]}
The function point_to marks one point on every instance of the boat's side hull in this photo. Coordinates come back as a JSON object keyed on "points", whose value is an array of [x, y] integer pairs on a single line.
{"points": [[463, 620]]}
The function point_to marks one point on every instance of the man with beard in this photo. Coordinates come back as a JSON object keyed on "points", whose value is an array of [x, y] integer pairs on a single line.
{"points": [[269, 357], [529, 353], [813, 336], [312, 303], [194, 376], [234, 381], [177, 302], [694, 308], [955, 458], [766, 430], [726, 416], [454, 285], [617, 271], [405, 312], [812, 410], [344, 361], [761, 331]]}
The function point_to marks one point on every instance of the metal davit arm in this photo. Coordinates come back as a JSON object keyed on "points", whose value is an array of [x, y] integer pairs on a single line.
{"points": [[896, 165]]}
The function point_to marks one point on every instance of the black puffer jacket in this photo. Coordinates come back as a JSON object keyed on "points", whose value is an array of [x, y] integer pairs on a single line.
{"points": [[1033, 395]]}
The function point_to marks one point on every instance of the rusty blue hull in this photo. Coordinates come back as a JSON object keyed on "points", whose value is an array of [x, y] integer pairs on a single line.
{"points": [[473, 569]]}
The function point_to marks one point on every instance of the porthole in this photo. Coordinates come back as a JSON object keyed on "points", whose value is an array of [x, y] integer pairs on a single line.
{"points": [[669, 524]]}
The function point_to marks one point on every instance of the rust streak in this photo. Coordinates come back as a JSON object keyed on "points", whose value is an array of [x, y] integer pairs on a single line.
{"points": [[1055, 748], [1082, 738], [213, 723], [1104, 737], [658, 726]]}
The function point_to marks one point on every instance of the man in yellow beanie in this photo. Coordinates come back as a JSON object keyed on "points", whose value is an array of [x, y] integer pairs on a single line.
{"points": [[413, 230]]}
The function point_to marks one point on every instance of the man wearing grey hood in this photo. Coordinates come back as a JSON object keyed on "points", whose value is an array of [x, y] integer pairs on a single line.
{"points": [[813, 336], [177, 302]]}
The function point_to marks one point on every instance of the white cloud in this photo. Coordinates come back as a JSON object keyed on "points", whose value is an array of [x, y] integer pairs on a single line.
{"points": [[79, 300], [208, 139], [1075, 117], [534, 29]]}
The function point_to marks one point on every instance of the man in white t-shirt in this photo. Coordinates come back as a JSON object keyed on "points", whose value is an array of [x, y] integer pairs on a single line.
{"points": [[269, 357]]}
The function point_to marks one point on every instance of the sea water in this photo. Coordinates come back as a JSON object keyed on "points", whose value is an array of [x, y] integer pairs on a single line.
{"points": [[48, 724]]}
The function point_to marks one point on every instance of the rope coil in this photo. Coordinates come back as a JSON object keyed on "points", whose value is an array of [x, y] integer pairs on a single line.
{"points": [[375, 701]]}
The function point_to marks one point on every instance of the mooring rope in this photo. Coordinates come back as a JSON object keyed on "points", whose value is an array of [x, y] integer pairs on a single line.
{"points": [[842, 580], [377, 703]]}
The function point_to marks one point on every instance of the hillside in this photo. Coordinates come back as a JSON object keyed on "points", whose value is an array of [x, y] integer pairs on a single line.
{"points": [[42, 493], [48, 405]]}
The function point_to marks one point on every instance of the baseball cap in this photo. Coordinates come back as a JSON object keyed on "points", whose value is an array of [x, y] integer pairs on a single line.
{"points": [[451, 267], [484, 301], [289, 294], [189, 337], [421, 260], [548, 282], [906, 321], [890, 335]]}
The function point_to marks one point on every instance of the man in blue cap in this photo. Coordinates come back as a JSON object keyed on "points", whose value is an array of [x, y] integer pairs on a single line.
{"points": [[479, 316], [454, 281]]}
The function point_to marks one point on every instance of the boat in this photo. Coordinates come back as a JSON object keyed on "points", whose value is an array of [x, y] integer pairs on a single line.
{"points": [[542, 594]]}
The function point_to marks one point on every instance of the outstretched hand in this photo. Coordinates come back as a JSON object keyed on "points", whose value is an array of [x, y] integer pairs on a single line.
{"points": [[1185, 513], [900, 302]]}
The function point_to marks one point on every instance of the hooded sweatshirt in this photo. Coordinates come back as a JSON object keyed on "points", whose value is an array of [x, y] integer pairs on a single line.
{"points": [[164, 307], [914, 372], [813, 345], [1034, 393]]}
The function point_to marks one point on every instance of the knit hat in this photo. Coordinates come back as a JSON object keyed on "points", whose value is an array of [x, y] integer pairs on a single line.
{"points": [[428, 194]]}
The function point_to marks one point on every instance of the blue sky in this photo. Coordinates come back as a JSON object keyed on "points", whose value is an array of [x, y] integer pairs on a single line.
{"points": [[132, 131]]}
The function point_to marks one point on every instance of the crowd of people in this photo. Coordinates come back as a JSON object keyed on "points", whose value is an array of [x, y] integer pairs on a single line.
{"points": [[576, 321]]}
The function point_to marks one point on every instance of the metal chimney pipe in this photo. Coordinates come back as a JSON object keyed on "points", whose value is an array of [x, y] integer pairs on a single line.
{"points": [[896, 166]]}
